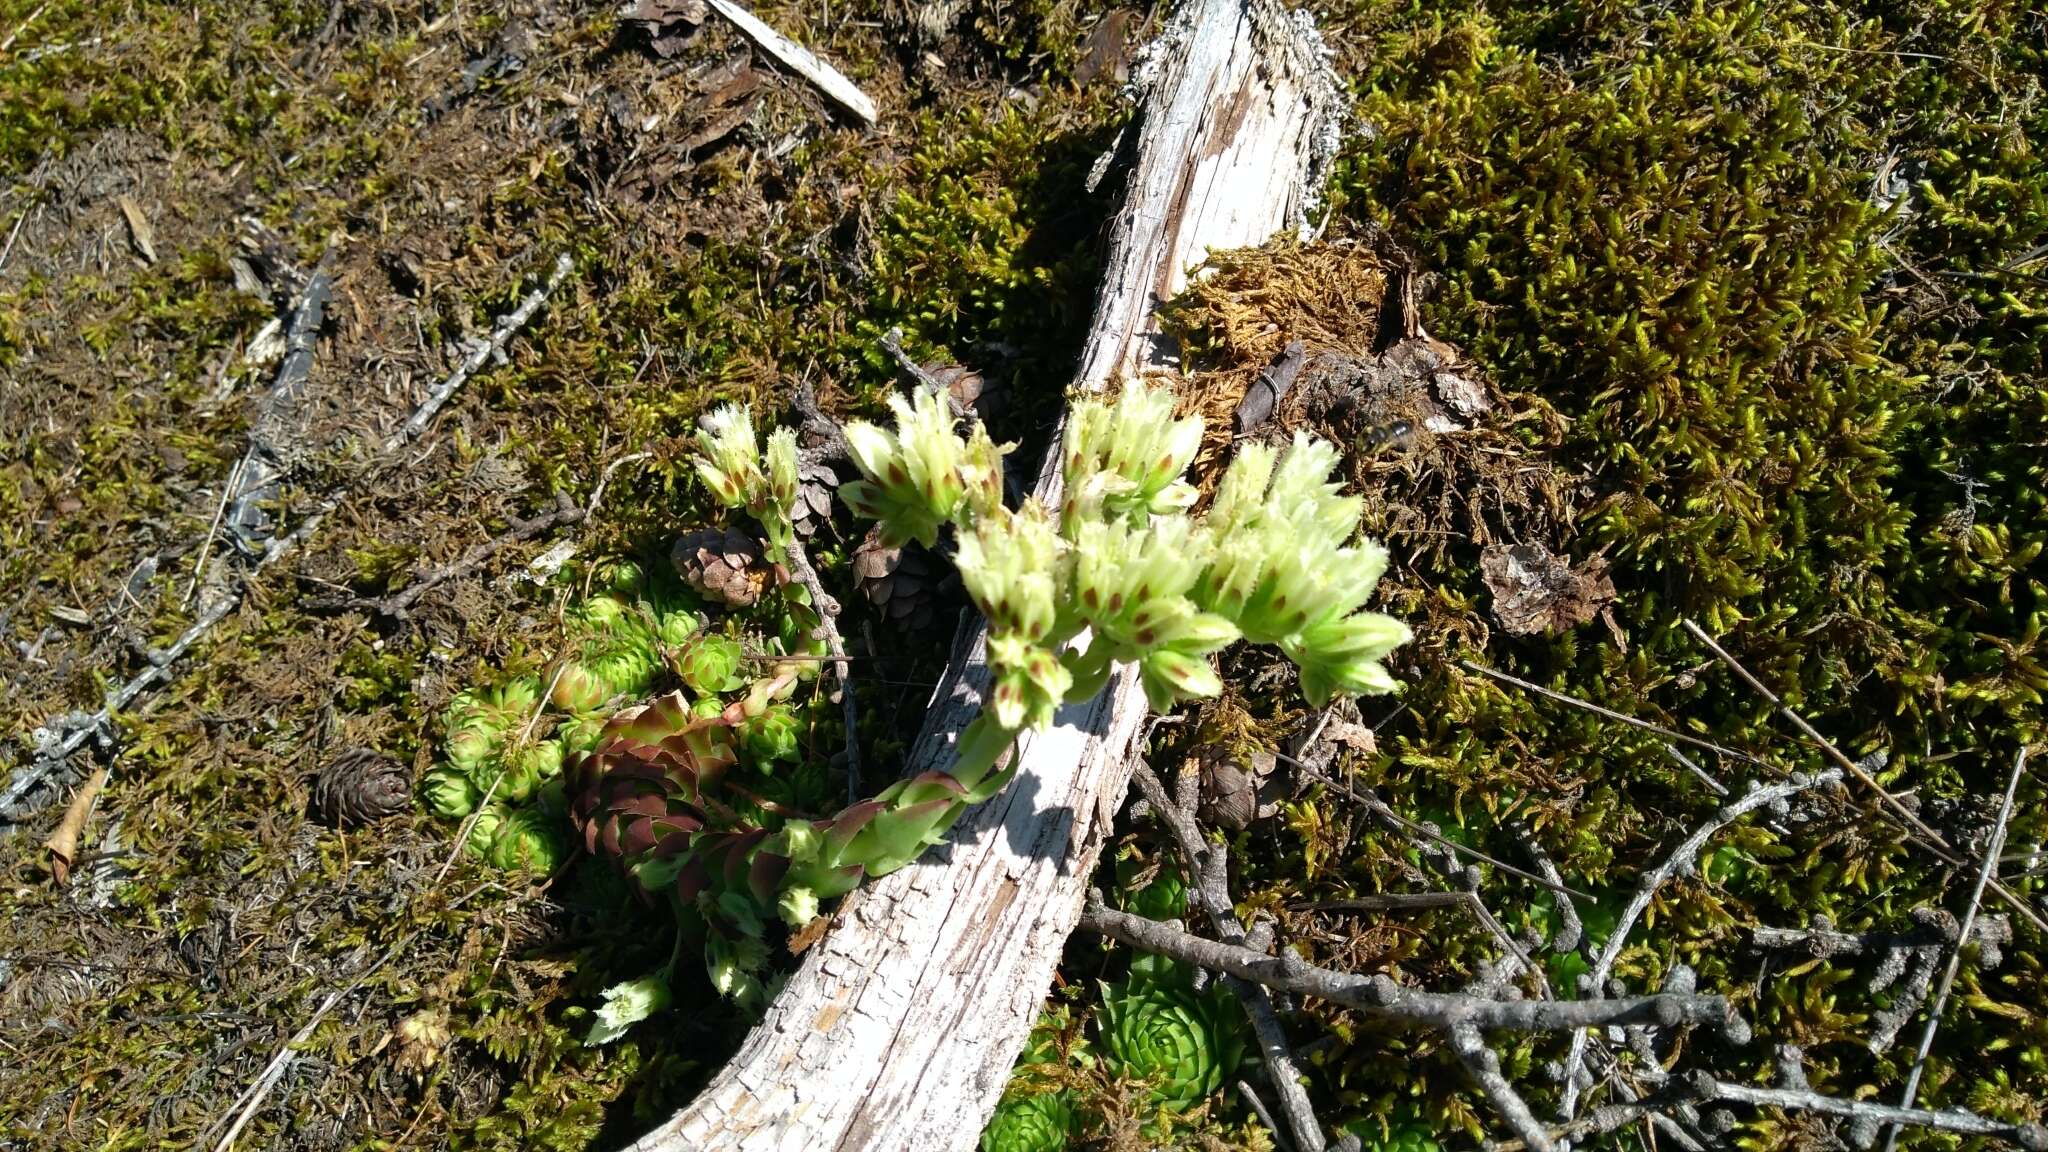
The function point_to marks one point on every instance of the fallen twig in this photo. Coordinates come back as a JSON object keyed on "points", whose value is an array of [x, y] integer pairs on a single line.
{"points": [[1822, 941], [1955, 956], [1395, 822], [2032, 1137], [1681, 860], [1611, 714], [1209, 883], [258, 474], [1702, 1088], [1379, 998], [799, 59], [828, 608], [1484, 1066], [398, 605]]}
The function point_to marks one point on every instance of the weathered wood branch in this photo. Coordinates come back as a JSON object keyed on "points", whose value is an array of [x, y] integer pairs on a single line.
{"points": [[898, 1032]]}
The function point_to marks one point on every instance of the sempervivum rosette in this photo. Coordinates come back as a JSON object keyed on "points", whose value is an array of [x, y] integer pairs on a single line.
{"points": [[1184, 1042], [1039, 1122], [639, 795], [658, 795]]}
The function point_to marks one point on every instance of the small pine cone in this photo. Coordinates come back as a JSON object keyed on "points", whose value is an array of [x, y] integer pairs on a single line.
{"points": [[723, 565], [970, 389], [361, 786], [816, 486], [904, 584], [1237, 787]]}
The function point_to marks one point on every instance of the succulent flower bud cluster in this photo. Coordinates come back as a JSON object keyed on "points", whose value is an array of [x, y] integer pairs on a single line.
{"points": [[1277, 560], [1287, 567], [1127, 458], [1009, 563], [924, 474], [732, 464]]}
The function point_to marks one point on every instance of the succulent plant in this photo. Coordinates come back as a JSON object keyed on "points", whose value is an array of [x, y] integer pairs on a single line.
{"points": [[1123, 562], [772, 736], [579, 731], [1285, 569], [1007, 563], [479, 721], [613, 652], [658, 796], [483, 830], [734, 466], [361, 786], [619, 576], [527, 769], [449, 792], [527, 840], [723, 565], [1037, 1122], [1128, 456], [625, 1005], [675, 626], [710, 664], [1162, 896], [1183, 1041]]}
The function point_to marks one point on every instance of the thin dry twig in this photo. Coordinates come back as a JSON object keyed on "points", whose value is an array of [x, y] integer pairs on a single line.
{"points": [[1916, 827], [1681, 860], [1484, 1065], [1955, 956], [799, 60], [2032, 1137], [828, 610], [1379, 998], [227, 495], [398, 605], [1394, 821], [1611, 714]]}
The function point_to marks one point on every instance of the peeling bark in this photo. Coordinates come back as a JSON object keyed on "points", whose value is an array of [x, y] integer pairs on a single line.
{"points": [[899, 1031]]}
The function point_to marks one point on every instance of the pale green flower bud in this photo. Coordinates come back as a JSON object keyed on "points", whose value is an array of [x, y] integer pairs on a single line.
{"points": [[915, 478], [1287, 571], [797, 907], [1137, 441], [728, 457], [781, 458], [1030, 682], [1170, 676], [626, 1005], [1008, 563]]}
